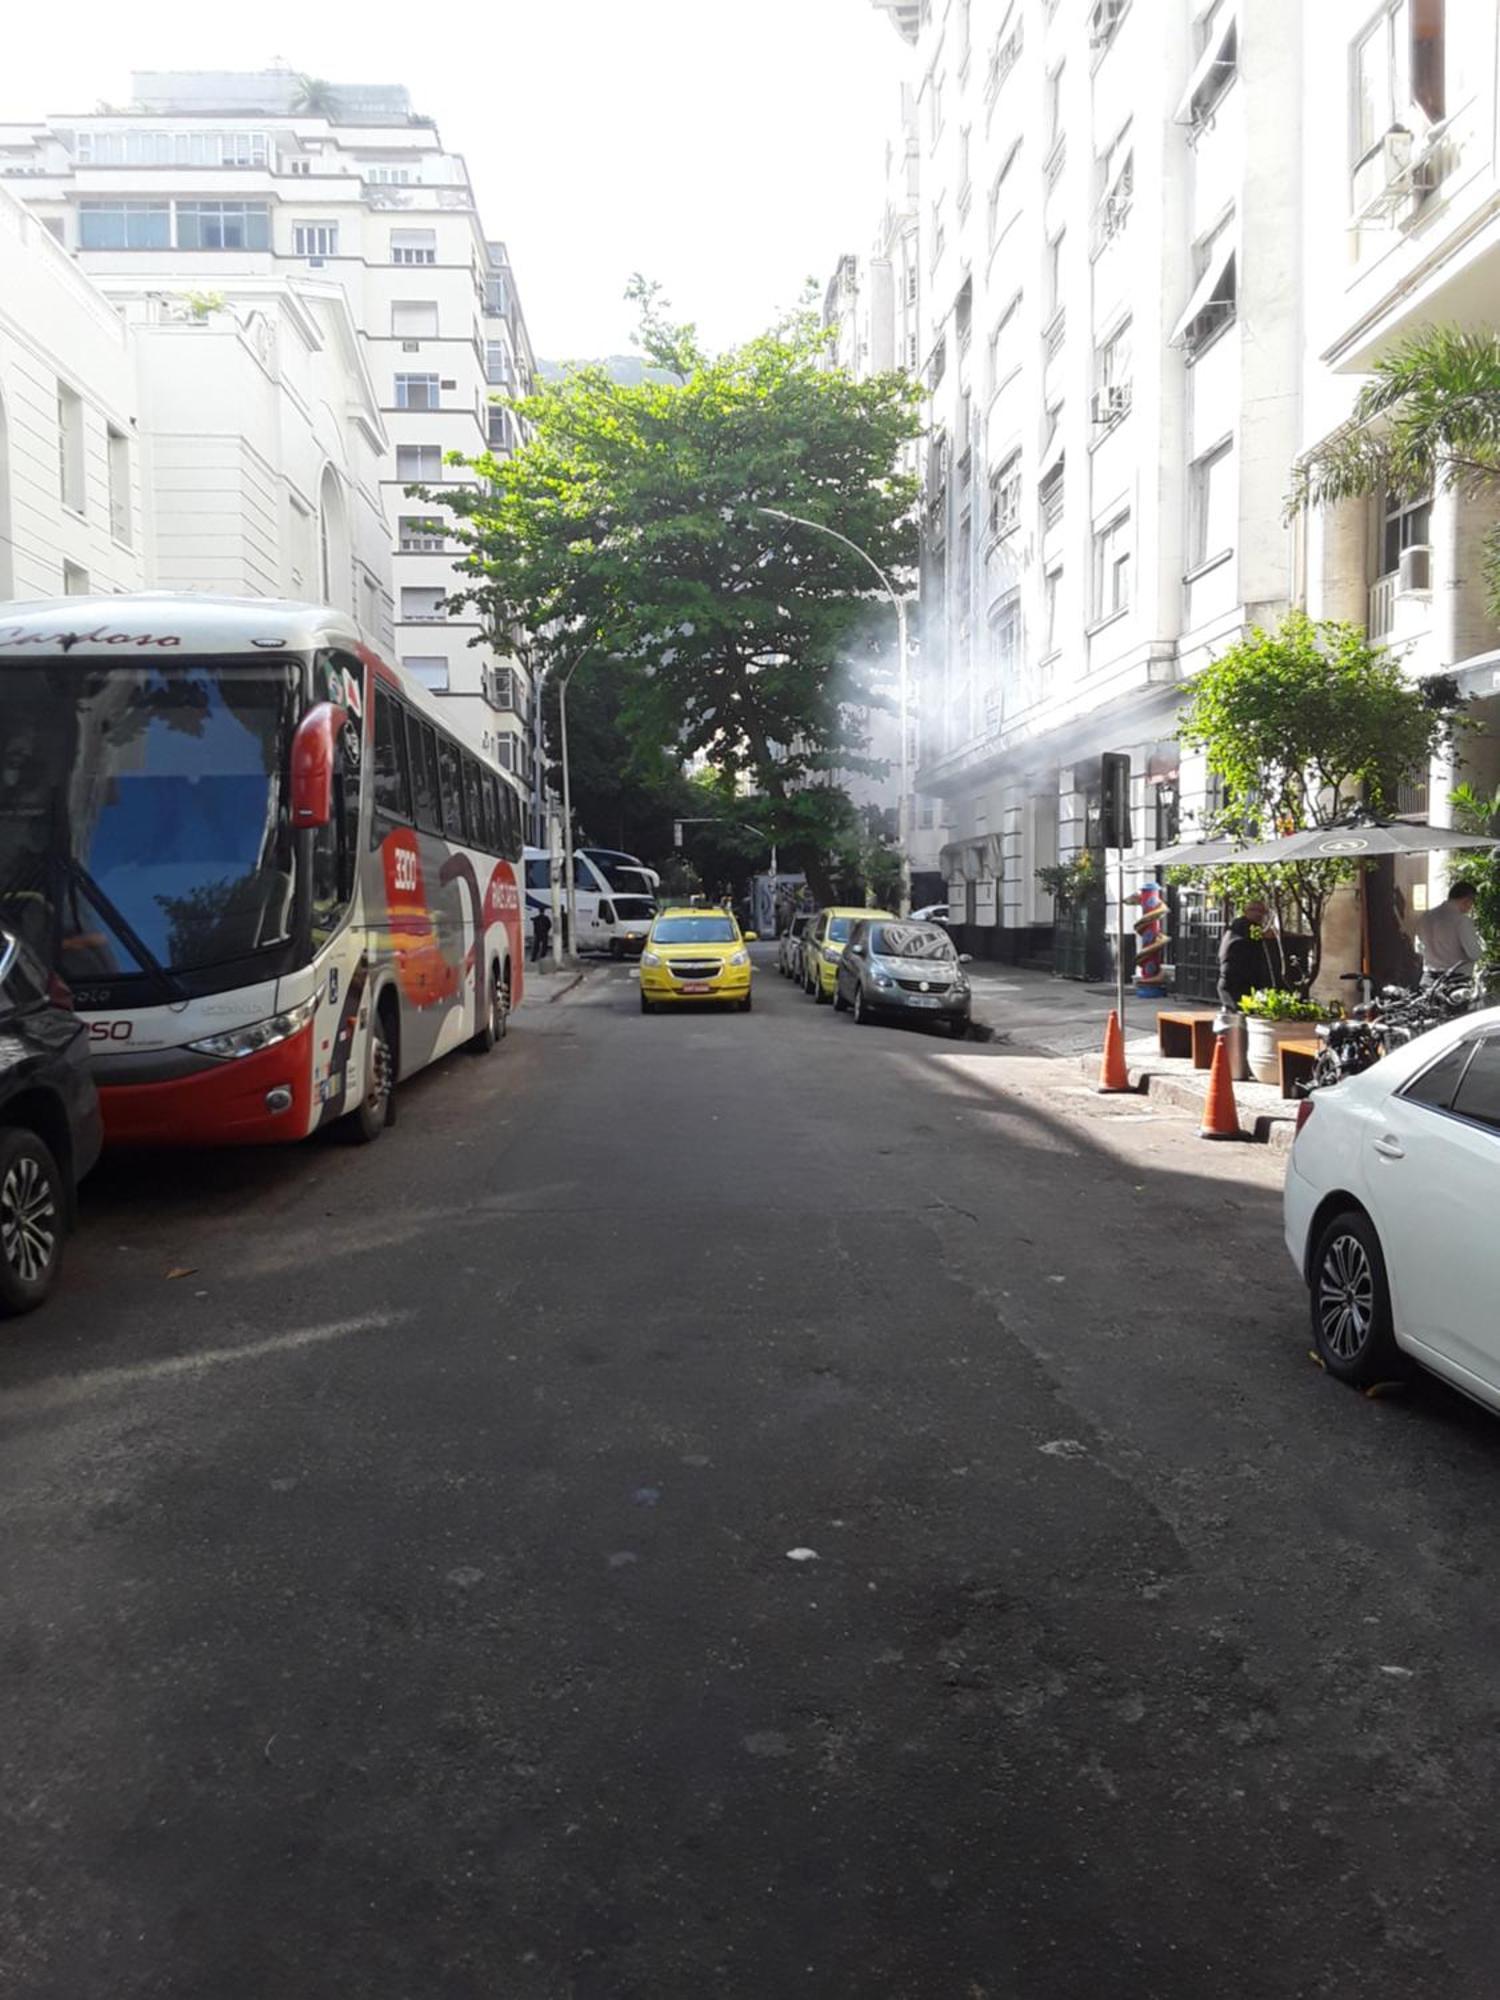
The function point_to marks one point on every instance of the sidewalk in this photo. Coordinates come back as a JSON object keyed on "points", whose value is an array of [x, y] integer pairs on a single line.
{"points": [[1065, 1018]]}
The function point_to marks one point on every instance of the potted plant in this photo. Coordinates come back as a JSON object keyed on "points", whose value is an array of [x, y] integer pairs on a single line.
{"points": [[1274, 1015]]}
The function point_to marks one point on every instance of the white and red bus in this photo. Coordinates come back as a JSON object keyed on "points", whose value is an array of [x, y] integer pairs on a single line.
{"points": [[274, 878]]}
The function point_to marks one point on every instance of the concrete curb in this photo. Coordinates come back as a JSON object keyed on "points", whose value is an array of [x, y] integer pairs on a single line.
{"points": [[1263, 1128]]}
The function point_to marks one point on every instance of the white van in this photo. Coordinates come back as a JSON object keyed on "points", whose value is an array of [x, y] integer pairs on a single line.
{"points": [[610, 918]]}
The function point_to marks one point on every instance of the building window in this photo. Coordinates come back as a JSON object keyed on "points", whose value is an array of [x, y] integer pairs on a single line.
{"points": [[414, 319], [1215, 291], [75, 579], [1005, 496], [1113, 376], [1397, 69], [1112, 568], [500, 428], [499, 367], [1054, 109], [171, 149], [1051, 610], [997, 194], [937, 366], [420, 535], [413, 246], [934, 107], [223, 225], [1117, 190], [1005, 344], [315, 239], [417, 392], [965, 170], [70, 466], [1006, 55], [1005, 646], [1217, 62], [387, 176], [124, 225], [431, 669], [1050, 494], [417, 462], [422, 604], [1105, 17], [1213, 505], [1056, 274], [119, 484], [1405, 524]]}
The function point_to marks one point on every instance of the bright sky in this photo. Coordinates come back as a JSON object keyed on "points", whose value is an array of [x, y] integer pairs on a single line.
{"points": [[730, 148]]}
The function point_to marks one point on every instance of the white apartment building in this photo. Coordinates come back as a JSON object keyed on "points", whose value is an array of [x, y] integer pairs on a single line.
{"points": [[212, 181], [1109, 222], [1402, 232], [70, 513], [872, 303]]}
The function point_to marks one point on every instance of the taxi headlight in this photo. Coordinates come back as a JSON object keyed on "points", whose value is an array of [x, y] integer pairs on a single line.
{"points": [[650, 958], [738, 958], [249, 1041]]}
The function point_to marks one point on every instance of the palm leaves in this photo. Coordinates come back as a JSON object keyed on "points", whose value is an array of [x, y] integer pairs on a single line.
{"points": [[1427, 421]]}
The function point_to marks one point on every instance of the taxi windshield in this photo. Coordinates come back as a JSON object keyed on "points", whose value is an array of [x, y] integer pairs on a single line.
{"points": [[694, 930]]}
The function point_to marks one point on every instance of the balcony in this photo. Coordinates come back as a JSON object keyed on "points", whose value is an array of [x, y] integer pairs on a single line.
{"points": [[1381, 619]]}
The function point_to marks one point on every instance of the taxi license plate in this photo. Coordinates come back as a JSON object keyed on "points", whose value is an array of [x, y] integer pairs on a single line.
{"points": [[697, 986], [923, 1000]]}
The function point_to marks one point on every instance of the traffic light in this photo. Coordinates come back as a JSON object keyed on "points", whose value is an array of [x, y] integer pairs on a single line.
{"points": [[677, 833], [1115, 805]]}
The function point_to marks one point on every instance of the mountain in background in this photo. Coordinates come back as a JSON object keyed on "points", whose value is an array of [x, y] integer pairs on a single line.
{"points": [[630, 369]]}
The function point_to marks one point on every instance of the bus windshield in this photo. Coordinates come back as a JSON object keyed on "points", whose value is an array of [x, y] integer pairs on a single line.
{"points": [[143, 820]]}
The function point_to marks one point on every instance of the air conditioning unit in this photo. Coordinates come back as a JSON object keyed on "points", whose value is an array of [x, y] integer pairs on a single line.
{"points": [[411, 347], [1414, 576], [447, 385], [316, 263], [1110, 404]]}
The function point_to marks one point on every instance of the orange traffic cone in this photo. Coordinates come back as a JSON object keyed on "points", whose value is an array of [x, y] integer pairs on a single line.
{"points": [[1221, 1117], [1113, 1074]]}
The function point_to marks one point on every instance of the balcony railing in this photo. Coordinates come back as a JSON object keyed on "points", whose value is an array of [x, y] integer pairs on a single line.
{"points": [[1382, 613]]}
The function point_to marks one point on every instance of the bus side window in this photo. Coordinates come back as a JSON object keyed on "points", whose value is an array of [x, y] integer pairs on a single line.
{"points": [[426, 800], [492, 790], [473, 802], [453, 805], [511, 825], [392, 789]]}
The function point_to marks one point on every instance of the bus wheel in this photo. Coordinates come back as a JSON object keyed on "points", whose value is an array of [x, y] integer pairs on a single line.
{"points": [[377, 1108], [497, 1019]]}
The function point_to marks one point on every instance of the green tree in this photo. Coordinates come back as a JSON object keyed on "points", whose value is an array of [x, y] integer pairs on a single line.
{"points": [[1427, 421], [628, 529], [316, 97], [1303, 725], [1474, 813]]}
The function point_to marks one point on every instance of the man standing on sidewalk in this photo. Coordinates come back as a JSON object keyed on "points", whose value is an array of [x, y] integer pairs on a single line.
{"points": [[1249, 955], [541, 933]]}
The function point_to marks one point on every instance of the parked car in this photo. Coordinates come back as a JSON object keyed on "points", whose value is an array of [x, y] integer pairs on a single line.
{"points": [[696, 954], [823, 946], [897, 966], [933, 913], [789, 947], [50, 1128], [1391, 1196]]}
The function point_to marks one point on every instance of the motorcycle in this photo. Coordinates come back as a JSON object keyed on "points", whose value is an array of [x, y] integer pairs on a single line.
{"points": [[1371, 1029]]}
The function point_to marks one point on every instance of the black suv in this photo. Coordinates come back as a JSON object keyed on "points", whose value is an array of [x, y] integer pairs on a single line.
{"points": [[50, 1130]]}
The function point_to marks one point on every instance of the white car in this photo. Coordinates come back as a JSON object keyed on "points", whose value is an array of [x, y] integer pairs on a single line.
{"points": [[1391, 1206], [934, 913]]}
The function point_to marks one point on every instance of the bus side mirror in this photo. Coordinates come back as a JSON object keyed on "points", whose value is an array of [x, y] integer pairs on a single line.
{"points": [[312, 764]]}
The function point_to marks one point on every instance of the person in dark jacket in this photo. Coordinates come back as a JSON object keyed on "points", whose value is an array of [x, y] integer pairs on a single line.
{"points": [[541, 932], [1249, 955]]}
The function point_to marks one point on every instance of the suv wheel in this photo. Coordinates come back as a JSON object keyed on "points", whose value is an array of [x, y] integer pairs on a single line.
{"points": [[33, 1204]]}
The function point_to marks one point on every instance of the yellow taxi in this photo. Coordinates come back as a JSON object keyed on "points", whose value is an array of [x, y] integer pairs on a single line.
{"points": [[823, 947], [695, 954]]}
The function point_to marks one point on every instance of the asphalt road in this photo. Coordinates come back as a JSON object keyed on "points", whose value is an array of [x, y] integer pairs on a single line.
{"points": [[397, 1589]]}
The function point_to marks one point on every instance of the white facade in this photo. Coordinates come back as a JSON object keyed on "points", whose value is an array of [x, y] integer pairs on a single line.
{"points": [[262, 448], [212, 182], [70, 514], [1109, 218], [1402, 232]]}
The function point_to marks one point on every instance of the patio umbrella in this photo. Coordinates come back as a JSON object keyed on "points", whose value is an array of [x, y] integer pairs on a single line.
{"points": [[1364, 842], [1194, 854]]}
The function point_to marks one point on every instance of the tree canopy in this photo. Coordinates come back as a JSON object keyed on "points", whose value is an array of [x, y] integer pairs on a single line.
{"points": [[1304, 725], [1427, 421], [628, 531]]}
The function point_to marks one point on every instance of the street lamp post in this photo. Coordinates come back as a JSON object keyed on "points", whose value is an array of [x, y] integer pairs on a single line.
{"points": [[903, 907], [570, 881]]}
